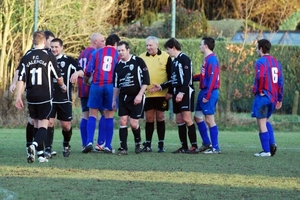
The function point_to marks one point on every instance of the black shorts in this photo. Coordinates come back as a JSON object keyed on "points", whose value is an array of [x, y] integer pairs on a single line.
{"points": [[187, 103], [63, 111], [40, 111], [156, 103], [127, 107]]}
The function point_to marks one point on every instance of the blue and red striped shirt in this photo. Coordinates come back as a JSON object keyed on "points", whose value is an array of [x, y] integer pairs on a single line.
{"points": [[210, 75], [102, 64], [268, 78], [83, 59]]}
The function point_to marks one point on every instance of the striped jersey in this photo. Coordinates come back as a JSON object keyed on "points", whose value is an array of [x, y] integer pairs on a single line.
{"points": [[37, 68], [83, 59], [67, 66], [101, 65], [268, 78], [209, 76]]}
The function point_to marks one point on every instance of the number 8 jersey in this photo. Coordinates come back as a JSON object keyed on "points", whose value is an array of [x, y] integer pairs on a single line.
{"points": [[37, 68], [102, 63]]}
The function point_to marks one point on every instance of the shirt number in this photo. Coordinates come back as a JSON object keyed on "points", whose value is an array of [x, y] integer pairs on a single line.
{"points": [[36, 76], [274, 74], [107, 63], [83, 62]]}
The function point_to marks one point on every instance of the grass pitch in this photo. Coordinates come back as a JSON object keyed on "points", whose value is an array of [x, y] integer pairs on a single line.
{"points": [[234, 174]]}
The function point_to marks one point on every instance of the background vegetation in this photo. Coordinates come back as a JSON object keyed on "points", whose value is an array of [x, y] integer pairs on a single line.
{"points": [[75, 20]]}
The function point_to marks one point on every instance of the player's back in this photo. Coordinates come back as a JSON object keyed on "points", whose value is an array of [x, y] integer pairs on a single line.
{"points": [[104, 61], [37, 72]]}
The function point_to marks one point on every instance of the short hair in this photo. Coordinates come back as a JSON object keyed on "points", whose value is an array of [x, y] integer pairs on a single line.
{"points": [[95, 36], [172, 42], [210, 42], [58, 40], [38, 37], [48, 34], [265, 45], [112, 40], [124, 43], [155, 39]]}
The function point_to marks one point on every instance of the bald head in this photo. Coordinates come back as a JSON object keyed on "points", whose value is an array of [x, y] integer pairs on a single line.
{"points": [[97, 40]]}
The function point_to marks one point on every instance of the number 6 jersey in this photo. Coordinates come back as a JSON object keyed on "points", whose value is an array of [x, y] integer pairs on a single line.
{"points": [[37, 68]]}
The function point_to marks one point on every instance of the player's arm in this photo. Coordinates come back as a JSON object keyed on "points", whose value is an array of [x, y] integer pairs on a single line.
{"points": [[187, 71], [14, 81], [213, 78], [89, 68]]}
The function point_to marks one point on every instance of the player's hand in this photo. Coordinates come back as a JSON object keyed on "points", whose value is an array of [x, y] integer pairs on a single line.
{"points": [[114, 105], [63, 88], [19, 104], [278, 105], [12, 88], [179, 97], [137, 99], [204, 100], [155, 87], [168, 96], [74, 77]]}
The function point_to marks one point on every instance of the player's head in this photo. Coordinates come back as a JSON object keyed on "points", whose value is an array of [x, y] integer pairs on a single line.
{"points": [[172, 47], [263, 46], [49, 36], [123, 50], [39, 38], [207, 43], [152, 45], [112, 40], [97, 40], [57, 46]]}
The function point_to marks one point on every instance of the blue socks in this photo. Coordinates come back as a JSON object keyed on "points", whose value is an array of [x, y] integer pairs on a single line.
{"points": [[203, 133], [109, 132], [83, 131], [271, 134], [101, 131], [264, 140], [91, 126], [214, 137]]}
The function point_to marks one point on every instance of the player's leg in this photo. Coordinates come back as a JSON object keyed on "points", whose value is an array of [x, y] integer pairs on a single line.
{"points": [[50, 133], [101, 133], [83, 122], [123, 113], [260, 110], [64, 115], [29, 133], [93, 114], [199, 119], [149, 129], [161, 105]]}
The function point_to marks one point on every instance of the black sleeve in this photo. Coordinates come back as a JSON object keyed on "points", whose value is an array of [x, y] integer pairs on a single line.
{"points": [[169, 72], [146, 77]]}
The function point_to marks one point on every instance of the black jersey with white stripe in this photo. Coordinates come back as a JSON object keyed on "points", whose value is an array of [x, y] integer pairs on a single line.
{"points": [[67, 66], [37, 69], [182, 74], [129, 76]]}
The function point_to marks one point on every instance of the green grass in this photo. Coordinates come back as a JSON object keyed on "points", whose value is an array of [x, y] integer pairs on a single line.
{"points": [[234, 174]]}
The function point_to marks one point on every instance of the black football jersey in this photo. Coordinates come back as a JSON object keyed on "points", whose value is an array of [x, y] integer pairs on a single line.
{"points": [[67, 66], [37, 69], [131, 75], [182, 74]]}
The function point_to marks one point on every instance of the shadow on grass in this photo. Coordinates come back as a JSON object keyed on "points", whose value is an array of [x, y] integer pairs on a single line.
{"points": [[96, 188]]}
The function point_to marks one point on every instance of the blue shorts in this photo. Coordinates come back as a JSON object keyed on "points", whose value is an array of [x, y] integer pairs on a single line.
{"points": [[262, 107], [100, 97], [208, 108], [84, 101]]}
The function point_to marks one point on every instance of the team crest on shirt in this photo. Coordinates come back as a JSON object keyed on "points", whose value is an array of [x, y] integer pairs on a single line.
{"points": [[131, 67], [62, 64], [145, 69]]}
